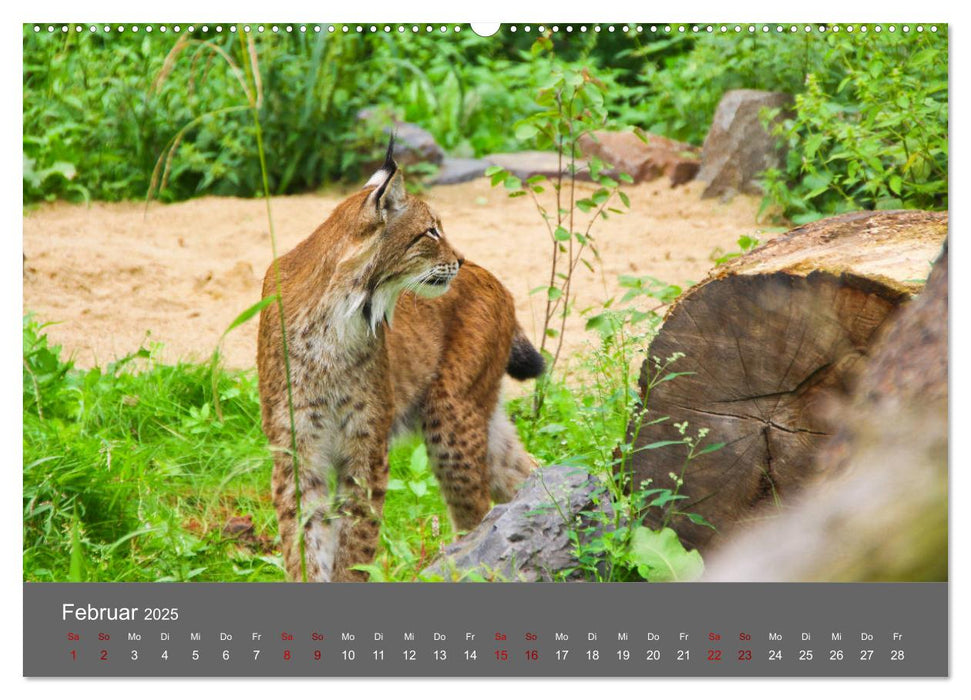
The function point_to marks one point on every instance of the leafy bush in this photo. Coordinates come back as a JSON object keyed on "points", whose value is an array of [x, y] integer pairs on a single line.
{"points": [[870, 128], [99, 109], [877, 139], [871, 111]]}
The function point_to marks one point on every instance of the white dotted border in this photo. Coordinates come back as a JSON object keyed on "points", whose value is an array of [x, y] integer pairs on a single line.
{"points": [[514, 28]]}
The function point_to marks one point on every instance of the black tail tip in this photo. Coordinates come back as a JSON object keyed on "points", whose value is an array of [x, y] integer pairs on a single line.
{"points": [[525, 361]]}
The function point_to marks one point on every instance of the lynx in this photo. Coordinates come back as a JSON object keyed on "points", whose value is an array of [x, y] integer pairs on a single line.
{"points": [[388, 328]]}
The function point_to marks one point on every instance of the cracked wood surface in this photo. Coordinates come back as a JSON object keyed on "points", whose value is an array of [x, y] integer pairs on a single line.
{"points": [[883, 516], [771, 340]]}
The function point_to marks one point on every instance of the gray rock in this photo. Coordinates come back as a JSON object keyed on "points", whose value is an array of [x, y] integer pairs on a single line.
{"points": [[738, 148], [525, 164], [528, 538], [415, 145], [456, 170]]}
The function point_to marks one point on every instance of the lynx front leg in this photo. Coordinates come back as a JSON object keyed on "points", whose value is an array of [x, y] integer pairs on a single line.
{"points": [[456, 437], [314, 560], [361, 490]]}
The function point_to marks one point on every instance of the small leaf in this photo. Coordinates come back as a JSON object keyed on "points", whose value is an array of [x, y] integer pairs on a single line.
{"points": [[673, 375], [419, 460], [698, 520], [710, 448], [602, 323], [661, 443], [525, 132], [660, 556], [561, 234], [665, 498], [251, 312]]}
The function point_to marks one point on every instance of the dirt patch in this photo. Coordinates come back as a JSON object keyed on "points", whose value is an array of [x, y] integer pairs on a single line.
{"points": [[116, 276]]}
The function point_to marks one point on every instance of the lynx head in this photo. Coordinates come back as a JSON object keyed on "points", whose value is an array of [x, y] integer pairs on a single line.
{"points": [[397, 245]]}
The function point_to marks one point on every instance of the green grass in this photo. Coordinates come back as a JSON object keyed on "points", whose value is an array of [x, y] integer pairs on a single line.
{"points": [[130, 474]]}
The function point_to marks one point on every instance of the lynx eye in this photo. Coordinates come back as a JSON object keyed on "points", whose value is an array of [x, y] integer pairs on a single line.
{"points": [[433, 233]]}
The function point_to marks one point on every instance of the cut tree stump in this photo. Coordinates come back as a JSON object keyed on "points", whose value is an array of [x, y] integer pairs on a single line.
{"points": [[768, 340], [882, 516]]}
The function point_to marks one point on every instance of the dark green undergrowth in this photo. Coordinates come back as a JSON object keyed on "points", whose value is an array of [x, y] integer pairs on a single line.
{"points": [[100, 109], [106, 114]]}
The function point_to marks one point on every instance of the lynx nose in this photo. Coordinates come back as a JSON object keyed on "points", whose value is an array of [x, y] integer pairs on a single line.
{"points": [[459, 260]]}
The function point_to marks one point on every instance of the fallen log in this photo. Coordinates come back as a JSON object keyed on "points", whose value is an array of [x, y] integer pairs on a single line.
{"points": [[766, 342], [883, 517]]}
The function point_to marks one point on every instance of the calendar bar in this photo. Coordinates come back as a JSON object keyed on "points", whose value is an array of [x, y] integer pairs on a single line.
{"points": [[547, 630]]}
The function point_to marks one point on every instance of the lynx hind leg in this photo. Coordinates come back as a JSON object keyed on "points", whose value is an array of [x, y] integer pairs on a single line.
{"points": [[509, 463], [321, 525], [456, 435]]}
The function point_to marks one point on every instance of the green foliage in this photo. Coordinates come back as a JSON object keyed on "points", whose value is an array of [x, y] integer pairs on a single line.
{"points": [[746, 243], [131, 476], [870, 125], [869, 130], [684, 76], [131, 473], [584, 422], [99, 109], [660, 556], [877, 139], [416, 523], [572, 105]]}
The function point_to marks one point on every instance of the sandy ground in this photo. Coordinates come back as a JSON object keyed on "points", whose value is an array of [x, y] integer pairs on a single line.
{"points": [[115, 276]]}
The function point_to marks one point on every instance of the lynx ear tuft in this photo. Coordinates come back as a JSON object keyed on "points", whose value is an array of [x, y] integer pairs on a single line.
{"points": [[388, 182]]}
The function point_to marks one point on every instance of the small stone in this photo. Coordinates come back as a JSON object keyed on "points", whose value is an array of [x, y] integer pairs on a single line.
{"points": [[238, 526], [414, 144]]}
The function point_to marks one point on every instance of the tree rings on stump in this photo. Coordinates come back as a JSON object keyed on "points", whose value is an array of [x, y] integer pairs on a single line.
{"points": [[766, 341]]}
